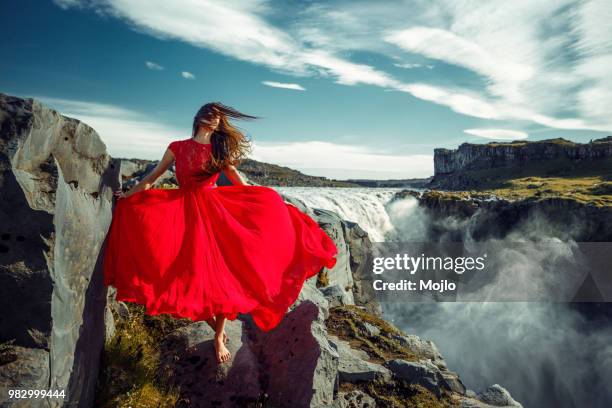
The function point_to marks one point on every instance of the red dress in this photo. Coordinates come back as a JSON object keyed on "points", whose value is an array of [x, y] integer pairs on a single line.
{"points": [[203, 250]]}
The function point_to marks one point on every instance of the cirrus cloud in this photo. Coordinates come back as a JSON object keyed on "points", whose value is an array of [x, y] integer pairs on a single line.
{"points": [[296, 87], [497, 134]]}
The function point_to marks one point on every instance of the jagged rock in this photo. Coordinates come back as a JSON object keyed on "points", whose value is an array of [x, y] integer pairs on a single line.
{"points": [[424, 373], [424, 349], [56, 184], [360, 249], [188, 359], [341, 274], [498, 396], [371, 330], [495, 396], [336, 296], [300, 365], [353, 365], [354, 399]]}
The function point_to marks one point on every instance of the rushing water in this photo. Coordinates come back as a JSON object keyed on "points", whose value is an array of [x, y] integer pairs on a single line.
{"points": [[545, 354], [365, 206]]}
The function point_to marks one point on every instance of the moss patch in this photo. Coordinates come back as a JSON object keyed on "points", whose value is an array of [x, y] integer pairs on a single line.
{"points": [[401, 394], [593, 190], [130, 361], [322, 279], [347, 323]]}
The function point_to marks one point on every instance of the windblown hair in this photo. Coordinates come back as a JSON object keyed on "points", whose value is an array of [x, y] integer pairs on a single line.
{"points": [[229, 145]]}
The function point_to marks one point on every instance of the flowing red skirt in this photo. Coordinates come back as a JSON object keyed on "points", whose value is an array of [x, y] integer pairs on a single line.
{"points": [[197, 253]]}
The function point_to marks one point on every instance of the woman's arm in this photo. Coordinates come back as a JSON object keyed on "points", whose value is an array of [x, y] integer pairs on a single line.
{"points": [[234, 176], [150, 178]]}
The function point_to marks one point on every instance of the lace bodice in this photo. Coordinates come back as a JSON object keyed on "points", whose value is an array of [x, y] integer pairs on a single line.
{"points": [[190, 157]]}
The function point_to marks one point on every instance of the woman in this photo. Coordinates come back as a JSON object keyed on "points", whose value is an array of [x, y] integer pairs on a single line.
{"points": [[205, 252]]}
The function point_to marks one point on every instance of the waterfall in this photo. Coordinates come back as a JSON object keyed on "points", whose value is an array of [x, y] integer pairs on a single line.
{"points": [[364, 205]]}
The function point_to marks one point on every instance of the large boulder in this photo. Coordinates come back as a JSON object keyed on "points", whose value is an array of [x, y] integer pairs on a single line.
{"points": [[56, 181], [188, 360]]}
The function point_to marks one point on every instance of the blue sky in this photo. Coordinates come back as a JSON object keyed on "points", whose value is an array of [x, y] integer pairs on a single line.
{"points": [[345, 89]]}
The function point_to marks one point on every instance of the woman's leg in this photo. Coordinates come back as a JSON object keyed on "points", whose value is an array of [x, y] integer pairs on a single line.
{"points": [[212, 322], [223, 353]]}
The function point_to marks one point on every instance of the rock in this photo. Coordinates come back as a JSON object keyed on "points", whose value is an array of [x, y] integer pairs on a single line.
{"points": [[336, 296], [341, 274], [188, 360], [487, 218], [425, 374], [353, 366], [456, 169], [57, 183], [310, 293], [360, 249], [424, 349], [300, 365], [371, 330], [498, 396], [134, 170], [354, 399]]}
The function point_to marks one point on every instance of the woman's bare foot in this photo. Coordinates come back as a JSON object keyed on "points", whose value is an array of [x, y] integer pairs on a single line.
{"points": [[223, 353], [225, 338]]}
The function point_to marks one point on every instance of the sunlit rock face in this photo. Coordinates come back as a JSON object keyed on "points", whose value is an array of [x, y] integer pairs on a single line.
{"points": [[56, 186]]}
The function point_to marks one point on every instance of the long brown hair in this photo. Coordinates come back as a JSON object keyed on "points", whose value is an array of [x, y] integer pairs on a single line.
{"points": [[229, 145]]}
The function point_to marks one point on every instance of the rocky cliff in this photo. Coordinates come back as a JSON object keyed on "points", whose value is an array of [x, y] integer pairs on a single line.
{"points": [[490, 216], [473, 165], [61, 330], [56, 184]]}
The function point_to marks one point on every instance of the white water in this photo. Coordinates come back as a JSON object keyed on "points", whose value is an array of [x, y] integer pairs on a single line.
{"points": [[542, 353], [363, 205]]}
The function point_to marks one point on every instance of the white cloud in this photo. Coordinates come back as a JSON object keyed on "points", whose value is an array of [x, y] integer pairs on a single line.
{"points": [[538, 61], [412, 66], [154, 66], [66, 4], [131, 134], [498, 134], [125, 132], [283, 85], [187, 75], [342, 160]]}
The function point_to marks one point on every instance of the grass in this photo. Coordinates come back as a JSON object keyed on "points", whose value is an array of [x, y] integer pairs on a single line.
{"points": [[584, 182], [130, 362], [594, 190], [322, 279]]}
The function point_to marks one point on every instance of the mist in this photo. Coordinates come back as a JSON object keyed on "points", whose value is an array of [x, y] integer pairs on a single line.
{"points": [[546, 354]]}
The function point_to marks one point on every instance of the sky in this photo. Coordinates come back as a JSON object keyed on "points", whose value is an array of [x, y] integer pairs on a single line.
{"points": [[343, 89]]}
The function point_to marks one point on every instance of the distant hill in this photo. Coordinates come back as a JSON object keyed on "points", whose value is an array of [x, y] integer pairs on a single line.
{"points": [[413, 182], [255, 171], [275, 175]]}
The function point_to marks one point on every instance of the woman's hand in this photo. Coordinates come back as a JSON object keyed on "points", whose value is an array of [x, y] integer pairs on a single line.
{"points": [[120, 194]]}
